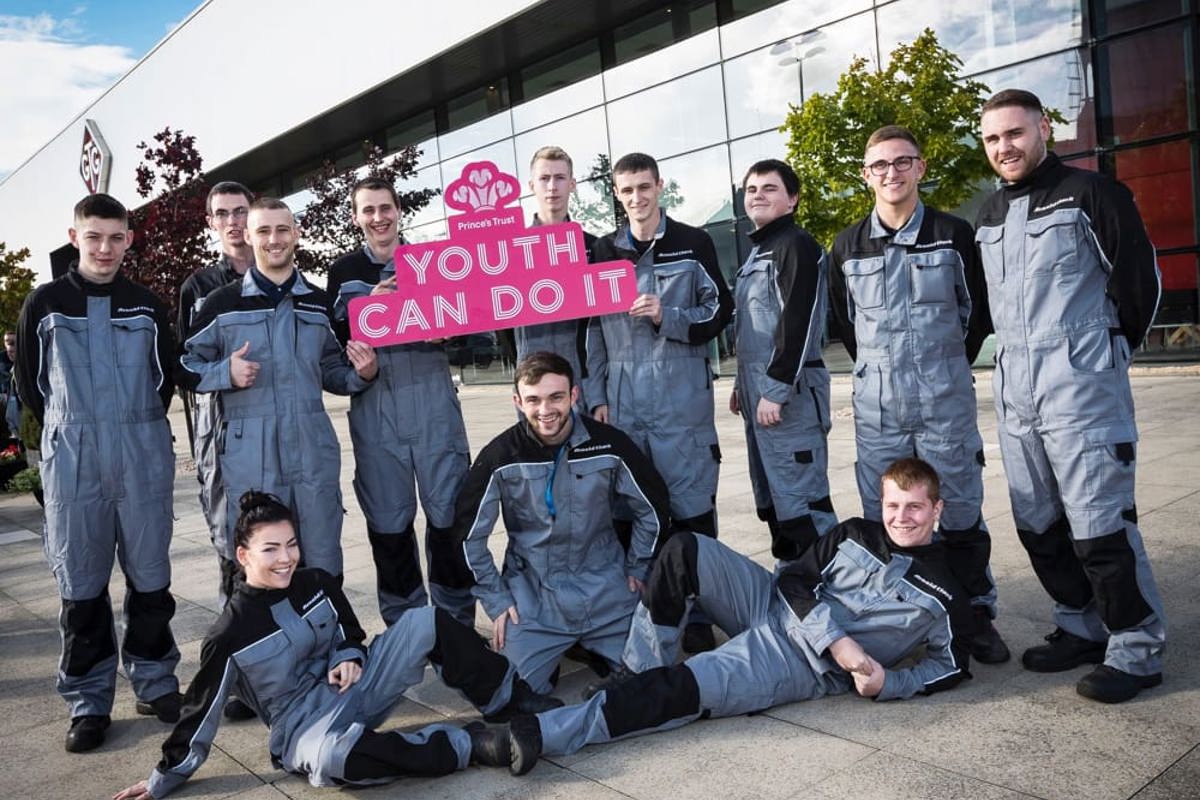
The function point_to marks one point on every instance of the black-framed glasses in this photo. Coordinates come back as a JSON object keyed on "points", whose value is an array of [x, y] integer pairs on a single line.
{"points": [[901, 164]]}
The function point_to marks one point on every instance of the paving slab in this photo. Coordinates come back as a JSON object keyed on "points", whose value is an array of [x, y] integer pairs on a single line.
{"points": [[1005, 734]]}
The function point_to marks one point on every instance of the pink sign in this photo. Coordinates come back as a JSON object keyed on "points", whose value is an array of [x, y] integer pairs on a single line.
{"points": [[492, 273]]}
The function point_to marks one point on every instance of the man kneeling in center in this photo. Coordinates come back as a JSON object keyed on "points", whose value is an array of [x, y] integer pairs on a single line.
{"points": [[844, 616], [556, 479]]}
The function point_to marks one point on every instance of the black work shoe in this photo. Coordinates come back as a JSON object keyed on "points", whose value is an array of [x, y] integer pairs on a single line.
{"points": [[524, 700], [524, 743], [1064, 651], [86, 733], [985, 643], [490, 744], [615, 676], [698, 638], [238, 711], [166, 708], [1107, 684]]}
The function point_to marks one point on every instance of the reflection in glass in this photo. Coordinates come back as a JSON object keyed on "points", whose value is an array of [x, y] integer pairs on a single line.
{"points": [[592, 207], [985, 33], [420, 131], [662, 64], [1062, 82], [584, 136], [682, 115], [560, 70], [426, 233], [784, 21], [1122, 15], [1150, 80], [556, 105], [500, 154], [476, 118], [435, 209], [1160, 177], [745, 152], [698, 187]]}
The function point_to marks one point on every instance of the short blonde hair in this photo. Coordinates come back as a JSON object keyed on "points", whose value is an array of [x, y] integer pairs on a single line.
{"points": [[552, 152]]}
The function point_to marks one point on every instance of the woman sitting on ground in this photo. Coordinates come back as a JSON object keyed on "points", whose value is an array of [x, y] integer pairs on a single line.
{"points": [[289, 645]]}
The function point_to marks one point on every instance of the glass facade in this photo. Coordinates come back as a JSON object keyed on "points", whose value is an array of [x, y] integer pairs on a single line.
{"points": [[703, 85]]}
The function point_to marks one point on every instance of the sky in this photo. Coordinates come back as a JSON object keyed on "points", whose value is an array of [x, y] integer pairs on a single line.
{"points": [[58, 57]]}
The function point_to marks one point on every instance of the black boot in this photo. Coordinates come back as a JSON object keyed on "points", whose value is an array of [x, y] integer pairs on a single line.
{"points": [[985, 643], [490, 745], [524, 700], [525, 744], [1107, 684], [1064, 651], [166, 708], [87, 733], [618, 675]]}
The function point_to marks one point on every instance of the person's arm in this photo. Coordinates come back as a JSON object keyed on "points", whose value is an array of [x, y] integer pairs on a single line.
{"points": [[191, 739], [712, 306], [642, 490], [346, 371], [1134, 282], [187, 303], [352, 646], [28, 364], [799, 268], [165, 353], [340, 310], [974, 309], [595, 364], [476, 512], [798, 582], [841, 305], [203, 364], [943, 666]]}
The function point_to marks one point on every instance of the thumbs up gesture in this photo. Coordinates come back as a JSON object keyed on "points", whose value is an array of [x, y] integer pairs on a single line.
{"points": [[243, 371]]}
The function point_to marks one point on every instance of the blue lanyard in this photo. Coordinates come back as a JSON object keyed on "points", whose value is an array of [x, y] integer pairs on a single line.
{"points": [[562, 448]]}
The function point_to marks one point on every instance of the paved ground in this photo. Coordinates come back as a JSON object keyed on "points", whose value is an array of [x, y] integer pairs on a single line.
{"points": [[1006, 734]]}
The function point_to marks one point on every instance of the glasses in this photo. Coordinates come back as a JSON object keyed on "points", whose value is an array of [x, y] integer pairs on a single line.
{"points": [[902, 164], [223, 214]]}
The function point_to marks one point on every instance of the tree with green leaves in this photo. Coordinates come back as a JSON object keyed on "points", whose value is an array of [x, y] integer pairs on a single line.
{"points": [[327, 222], [921, 89], [16, 281]]}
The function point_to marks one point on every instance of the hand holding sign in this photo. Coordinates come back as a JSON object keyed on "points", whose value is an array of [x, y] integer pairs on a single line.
{"points": [[647, 305], [492, 273], [242, 371]]}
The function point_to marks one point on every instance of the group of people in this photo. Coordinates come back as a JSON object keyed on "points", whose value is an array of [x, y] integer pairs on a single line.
{"points": [[606, 485]]}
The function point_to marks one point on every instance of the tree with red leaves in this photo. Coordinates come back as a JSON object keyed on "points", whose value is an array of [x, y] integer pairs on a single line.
{"points": [[327, 222], [170, 238]]}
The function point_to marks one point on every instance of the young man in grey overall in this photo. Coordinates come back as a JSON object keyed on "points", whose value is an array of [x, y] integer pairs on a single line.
{"points": [[841, 618], [909, 297], [407, 430], [1074, 285], [94, 354]]}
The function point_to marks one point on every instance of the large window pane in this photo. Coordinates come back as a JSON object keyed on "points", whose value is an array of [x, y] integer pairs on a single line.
{"points": [[1160, 178], [784, 21], [682, 115], [985, 33], [420, 131], [584, 137], [560, 85], [427, 233], [476, 118], [1114, 16], [1062, 82], [698, 189], [745, 152], [1150, 80], [592, 207], [646, 54], [435, 209], [500, 154]]}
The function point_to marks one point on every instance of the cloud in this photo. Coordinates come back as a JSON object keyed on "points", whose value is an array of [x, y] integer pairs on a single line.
{"points": [[60, 75]]}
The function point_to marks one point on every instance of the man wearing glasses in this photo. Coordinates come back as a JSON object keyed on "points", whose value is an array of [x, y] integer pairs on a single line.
{"points": [[910, 300], [228, 204]]}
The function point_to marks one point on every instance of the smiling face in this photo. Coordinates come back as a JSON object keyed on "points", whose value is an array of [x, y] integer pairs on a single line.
{"points": [[376, 215], [546, 406], [552, 184], [273, 235], [638, 193], [102, 244], [909, 516], [767, 198], [895, 187], [1015, 139], [271, 556]]}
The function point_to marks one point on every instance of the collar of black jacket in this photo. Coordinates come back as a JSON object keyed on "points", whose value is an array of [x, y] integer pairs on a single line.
{"points": [[1049, 163], [775, 225]]}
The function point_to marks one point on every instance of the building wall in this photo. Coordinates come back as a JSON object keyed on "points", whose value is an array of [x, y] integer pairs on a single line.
{"points": [[234, 74]]}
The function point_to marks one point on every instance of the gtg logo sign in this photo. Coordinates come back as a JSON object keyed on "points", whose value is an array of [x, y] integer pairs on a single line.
{"points": [[95, 159]]}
